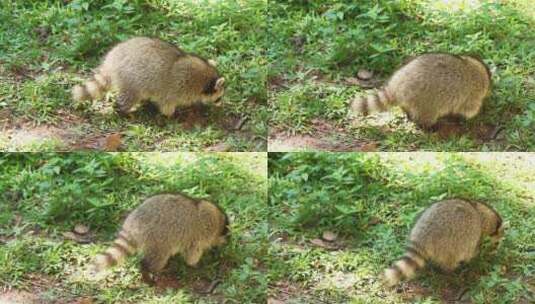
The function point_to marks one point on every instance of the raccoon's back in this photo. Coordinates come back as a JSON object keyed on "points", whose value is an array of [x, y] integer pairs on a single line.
{"points": [[162, 218], [446, 229], [140, 62], [431, 78]]}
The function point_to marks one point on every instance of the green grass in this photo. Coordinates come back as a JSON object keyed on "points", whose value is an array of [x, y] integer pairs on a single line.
{"points": [[46, 47], [315, 46], [371, 200], [44, 195]]}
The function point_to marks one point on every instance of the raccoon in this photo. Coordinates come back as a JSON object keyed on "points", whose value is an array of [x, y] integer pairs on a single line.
{"points": [[163, 226], [142, 68], [432, 86], [447, 233]]}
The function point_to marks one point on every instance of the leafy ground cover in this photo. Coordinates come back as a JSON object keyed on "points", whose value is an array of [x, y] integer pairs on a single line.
{"points": [[317, 47], [369, 201], [46, 47], [43, 197]]}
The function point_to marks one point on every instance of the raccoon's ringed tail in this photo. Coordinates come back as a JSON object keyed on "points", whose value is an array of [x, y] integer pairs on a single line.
{"points": [[92, 89], [122, 247], [404, 268], [378, 101]]}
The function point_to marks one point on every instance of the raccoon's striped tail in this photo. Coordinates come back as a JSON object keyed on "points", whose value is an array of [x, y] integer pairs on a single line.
{"points": [[122, 247], [91, 89], [405, 268], [378, 101]]}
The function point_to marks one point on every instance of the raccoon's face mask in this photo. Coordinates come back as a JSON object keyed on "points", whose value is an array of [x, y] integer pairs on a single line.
{"points": [[214, 92]]}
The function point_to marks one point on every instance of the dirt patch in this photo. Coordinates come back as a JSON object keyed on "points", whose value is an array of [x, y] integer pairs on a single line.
{"points": [[284, 292], [324, 137], [102, 142], [26, 137], [338, 280], [19, 297], [37, 289]]}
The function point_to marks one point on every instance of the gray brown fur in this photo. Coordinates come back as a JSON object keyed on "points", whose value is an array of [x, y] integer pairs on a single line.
{"points": [[142, 69], [163, 226], [431, 86], [447, 234]]}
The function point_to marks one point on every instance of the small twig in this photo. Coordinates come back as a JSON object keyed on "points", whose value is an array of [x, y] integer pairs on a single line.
{"points": [[212, 286], [241, 122], [461, 294], [496, 131]]}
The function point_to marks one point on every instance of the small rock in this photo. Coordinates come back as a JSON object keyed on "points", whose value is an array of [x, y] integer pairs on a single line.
{"points": [[329, 236], [364, 74], [81, 229], [368, 147]]}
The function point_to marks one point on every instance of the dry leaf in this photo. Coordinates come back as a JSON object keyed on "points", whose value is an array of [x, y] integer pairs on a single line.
{"points": [[113, 142], [369, 147]]}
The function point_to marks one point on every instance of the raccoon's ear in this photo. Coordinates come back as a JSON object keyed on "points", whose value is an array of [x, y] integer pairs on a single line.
{"points": [[219, 83], [212, 62]]}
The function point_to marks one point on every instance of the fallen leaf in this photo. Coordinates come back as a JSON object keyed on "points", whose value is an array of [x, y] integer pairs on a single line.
{"points": [[329, 236], [369, 147], [113, 142]]}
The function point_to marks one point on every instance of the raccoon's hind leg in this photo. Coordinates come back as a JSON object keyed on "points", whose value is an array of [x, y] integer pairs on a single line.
{"points": [[470, 109], [167, 109], [153, 262], [426, 121], [127, 102], [193, 256]]}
